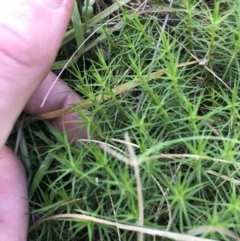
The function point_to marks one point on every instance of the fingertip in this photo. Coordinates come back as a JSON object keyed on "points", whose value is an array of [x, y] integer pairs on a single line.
{"points": [[60, 97]]}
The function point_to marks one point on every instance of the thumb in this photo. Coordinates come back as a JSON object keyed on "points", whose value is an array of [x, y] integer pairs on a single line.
{"points": [[31, 32]]}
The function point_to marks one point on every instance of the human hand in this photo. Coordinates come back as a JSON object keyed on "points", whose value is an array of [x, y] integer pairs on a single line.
{"points": [[31, 32]]}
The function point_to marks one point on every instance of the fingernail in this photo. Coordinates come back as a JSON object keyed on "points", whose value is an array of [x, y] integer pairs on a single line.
{"points": [[52, 3]]}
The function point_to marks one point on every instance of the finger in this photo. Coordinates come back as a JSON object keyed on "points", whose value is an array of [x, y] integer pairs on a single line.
{"points": [[61, 96], [30, 35], [13, 198]]}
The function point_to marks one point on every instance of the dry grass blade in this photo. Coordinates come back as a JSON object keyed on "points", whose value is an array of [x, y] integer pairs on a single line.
{"points": [[135, 163], [224, 177], [101, 144], [196, 157], [121, 141], [116, 91], [115, 153], [145, 230], [209, 229]]}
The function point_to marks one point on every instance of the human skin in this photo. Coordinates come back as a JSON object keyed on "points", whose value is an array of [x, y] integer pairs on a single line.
{"points": [[31, 32]]}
